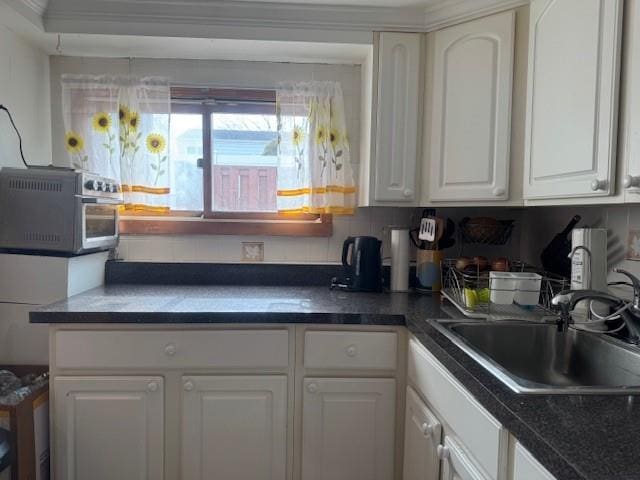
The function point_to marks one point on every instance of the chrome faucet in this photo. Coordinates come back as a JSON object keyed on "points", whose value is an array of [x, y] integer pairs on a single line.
{"points": [[568, 299]]}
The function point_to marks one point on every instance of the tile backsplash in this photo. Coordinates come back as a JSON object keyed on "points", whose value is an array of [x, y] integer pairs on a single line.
{"points": [[228, 248]]}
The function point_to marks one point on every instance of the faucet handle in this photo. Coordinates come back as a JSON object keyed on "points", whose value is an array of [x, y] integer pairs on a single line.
{"points": [[636, 286]]}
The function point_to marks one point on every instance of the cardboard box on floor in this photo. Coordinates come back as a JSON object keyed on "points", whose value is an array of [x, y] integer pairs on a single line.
{"points": [[28, 424]]}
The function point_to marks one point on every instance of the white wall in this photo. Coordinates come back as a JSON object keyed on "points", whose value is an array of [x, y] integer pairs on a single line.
{"points": [[24, 90]]}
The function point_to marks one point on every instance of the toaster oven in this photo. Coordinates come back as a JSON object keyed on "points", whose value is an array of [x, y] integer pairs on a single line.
{"points": [[52, 209]]}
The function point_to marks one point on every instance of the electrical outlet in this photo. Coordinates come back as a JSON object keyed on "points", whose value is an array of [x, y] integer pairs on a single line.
{"points": [[252, 251]]}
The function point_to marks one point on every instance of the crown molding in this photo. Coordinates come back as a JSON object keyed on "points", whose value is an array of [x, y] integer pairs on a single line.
{"points": [[216, 18], [451, 12], [31, 10]]}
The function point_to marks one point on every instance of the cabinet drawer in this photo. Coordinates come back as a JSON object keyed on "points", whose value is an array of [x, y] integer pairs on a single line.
{"points": [[355, 350], [482, 435], [166, 349], [526, 467]]}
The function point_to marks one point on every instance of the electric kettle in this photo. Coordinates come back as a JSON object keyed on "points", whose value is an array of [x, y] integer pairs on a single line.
{"points": [[362, 262]]}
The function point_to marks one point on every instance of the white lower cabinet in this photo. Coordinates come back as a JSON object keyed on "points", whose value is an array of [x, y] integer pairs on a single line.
{"points": [[348, 428], [422, 435], [234, 427], [109, 427], [526, 467], [456, 464]]}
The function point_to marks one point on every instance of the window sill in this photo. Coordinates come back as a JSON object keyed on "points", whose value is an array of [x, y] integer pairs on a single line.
{"points": [[291, 227]]}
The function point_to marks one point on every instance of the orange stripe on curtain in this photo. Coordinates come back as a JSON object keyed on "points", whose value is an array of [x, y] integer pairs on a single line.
{"points": [[316, 191], [143, 189], [139, 207], [319, 210]]}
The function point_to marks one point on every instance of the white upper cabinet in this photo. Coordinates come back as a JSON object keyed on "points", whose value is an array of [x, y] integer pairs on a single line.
{"points": [[391, 167], [234, 427], [570, 146], [470, 118], [629, 139]]}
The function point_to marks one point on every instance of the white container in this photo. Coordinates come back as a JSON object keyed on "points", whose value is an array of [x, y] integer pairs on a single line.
{"points": [[503, 287], [527, 288]]}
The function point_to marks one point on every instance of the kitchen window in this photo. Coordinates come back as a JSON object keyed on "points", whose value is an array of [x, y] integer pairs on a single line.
{"points": [[223, 153]]}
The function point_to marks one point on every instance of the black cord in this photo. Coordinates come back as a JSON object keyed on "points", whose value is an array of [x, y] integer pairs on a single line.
{"points": [[2, 107]]}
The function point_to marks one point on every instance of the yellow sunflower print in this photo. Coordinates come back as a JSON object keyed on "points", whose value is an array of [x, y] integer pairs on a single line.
{"points": [[101, 122], [156, 143], [123, 114], [321, 135], [73, 142], [298, 136], [335, 137], [134, 121]]}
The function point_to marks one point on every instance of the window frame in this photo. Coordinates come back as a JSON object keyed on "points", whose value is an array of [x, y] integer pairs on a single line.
{"points": [[205, 101]]}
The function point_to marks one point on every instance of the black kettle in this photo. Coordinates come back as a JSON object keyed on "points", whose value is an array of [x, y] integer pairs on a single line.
{"points": [[364, 270]]}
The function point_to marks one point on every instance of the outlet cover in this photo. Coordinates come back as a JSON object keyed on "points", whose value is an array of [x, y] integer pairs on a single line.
{"points": [[252, 251]]}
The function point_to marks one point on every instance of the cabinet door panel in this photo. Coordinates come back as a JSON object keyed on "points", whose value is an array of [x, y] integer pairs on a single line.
{"points": [[397, 120], [456, 464], [471, 122], [234, 427], [572, 98], [422, 434], [109, 427], [348, 428], [526, 467]]}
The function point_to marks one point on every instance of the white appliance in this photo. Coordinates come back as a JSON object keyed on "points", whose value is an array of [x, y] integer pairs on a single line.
{"points": [[589, 259]]}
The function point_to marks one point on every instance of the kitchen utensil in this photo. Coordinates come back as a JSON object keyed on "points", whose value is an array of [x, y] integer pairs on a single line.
{"points": [[362, 262], [555, 255], [427, 229]]}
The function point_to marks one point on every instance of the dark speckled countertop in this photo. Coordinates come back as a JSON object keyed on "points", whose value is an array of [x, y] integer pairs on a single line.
{"points": [[575, 437]]}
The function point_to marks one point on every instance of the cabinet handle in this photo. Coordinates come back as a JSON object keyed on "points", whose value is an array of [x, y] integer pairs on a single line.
{"points": [[408, 192], [188, 386], [630, 182], [170, 350], [427, 429], [312, 388], [598, 185], [442, 452], [351, 350], [152, 387], [498, 192]]}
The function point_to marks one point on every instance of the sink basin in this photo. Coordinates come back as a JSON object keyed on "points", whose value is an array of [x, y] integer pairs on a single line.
{"points": [[536, 358]]}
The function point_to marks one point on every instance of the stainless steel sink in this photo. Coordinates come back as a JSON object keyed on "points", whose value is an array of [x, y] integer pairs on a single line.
{"points": [[536, 358]]}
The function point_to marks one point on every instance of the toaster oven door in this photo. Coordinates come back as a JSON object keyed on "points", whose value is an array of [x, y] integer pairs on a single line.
{"points": [[99, 223]]}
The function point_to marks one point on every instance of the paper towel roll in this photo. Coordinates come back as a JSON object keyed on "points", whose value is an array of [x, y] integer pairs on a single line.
{"points": [[399, 259]]}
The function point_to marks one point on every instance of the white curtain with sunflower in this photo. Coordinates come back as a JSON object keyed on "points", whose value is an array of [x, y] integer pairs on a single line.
{"points": [[119, 127], [314, 167]]}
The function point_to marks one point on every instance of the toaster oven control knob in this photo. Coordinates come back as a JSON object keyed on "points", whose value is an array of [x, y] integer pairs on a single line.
{"points": [[114, 188], [99, 185], [107, 187], [90, 185]]}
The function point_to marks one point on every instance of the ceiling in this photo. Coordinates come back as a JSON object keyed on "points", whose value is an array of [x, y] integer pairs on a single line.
{"points": [[359, 3]]}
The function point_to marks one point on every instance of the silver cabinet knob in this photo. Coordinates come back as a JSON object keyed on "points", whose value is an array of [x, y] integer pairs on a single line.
{"points": [[152, 387], [498, 192], [630, 182], [408, 192], [351, 351], [427, 429], [170, 350], [443, 452], [598, 185], [312, 388]]}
